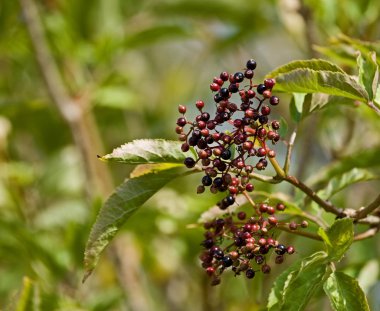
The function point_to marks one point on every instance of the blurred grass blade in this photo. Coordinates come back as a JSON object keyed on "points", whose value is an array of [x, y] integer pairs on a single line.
{"points": [[338, 238], [121, 205], [345, 293], [143, 151], [28, 300]]}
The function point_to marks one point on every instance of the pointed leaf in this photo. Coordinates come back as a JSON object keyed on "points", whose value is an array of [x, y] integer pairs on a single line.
{"points": [[338, 238], [345, 293], [340, 182], [148, 151], [314, 64], [122, 204], [306, 80], [296, 105], [368, 73], [297, 284]]}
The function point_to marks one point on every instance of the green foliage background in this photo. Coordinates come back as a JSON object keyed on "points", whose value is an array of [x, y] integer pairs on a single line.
{"points": [[130, 63]]}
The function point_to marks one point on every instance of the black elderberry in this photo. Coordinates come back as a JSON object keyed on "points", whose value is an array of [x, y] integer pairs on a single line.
{"points": [[250, 274], [227, 261], [206, 180], [280, 249], [251, 64], [208, 243], [233, 88], [217, 97], [259, 259], [218, 254], [261, 88], [249, 74], [274, 100], [224, 93], [230, 200], [226, 154], [189, 162], [239, 77]]}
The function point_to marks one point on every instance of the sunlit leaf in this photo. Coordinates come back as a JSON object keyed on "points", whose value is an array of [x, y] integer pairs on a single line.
{"points": [[294, 288], [368, 73], [338, 238], [142, 151], [305, 80], [345, 293], [121, 205]]}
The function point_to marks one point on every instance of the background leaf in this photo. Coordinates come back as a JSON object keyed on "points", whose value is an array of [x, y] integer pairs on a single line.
{"points": [[147, 151], [345, 293], [338, 238], [338, 183], [368, 73], [28, 298], [121, 205], [297, 284]]}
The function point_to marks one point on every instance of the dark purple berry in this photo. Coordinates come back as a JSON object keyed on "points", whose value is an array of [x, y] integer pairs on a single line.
{"points": [[218, 254], [224, 93], [251, 64], [224, 76], [206, 180], [249, 74], [181, 121], [261, 88], [259, 259], [233, 88], [279, 259], [239, 77], [189, 162], [280, 249], [265, 269], [227, 261], [250, 274], [274, 100], [226, 154]]}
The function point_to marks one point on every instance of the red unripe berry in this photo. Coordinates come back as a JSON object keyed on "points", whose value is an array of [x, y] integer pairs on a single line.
{"points": [[232, 190], [261, 152], [185, 147], [271, 210], [280, 207], [238, 123], [263, 207], [201, 125], [265, 110], [275, 125], [224, 76], [274, 100], [271, 135], [248, 168], [210, 271], [234, 255], [304, 224], [241, 215], [251, 93], [181, 121], [267, 93], [199, 104], [292, 226], [261, 132], [269, 83], [248, 145], [255, 228], [265, 269], [179, 130], [214, 87], [218, 81], [249, 187], [290, 250], [182, 109], [205, 132], [262, 241], [249, 74], [272, 220], [271, 153]]}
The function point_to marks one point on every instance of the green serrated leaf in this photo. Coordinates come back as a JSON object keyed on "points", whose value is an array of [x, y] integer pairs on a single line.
{"points": [[121, 205], [143, 151], [345, 293], [295, 107], [314, 64], [368, 73], [311, 81], [338, 238], [320, 101], [28, 300], [296, 285], [339, 183]]}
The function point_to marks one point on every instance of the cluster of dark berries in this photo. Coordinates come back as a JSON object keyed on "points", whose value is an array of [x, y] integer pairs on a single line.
{"points": [[228, 142], [242, 243]]}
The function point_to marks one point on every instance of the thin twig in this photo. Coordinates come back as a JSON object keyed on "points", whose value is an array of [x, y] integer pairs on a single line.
{"points": [[367, 234], [362, 213], [327, 206], [301, 233], [289, 151]]}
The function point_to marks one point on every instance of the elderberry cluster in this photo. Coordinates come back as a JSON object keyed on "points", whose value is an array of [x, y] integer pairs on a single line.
{"points": [[242, 243], [231, 143]]}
